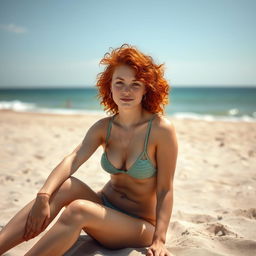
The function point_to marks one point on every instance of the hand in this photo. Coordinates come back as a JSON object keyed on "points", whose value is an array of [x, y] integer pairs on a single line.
{"points": [[158, 249], [38, 218]]}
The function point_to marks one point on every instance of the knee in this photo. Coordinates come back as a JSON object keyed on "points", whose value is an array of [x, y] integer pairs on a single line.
{"points": [[77, 211]]}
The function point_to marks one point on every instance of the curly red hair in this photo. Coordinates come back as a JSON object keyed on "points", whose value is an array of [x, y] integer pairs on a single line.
{"points": [[146, 71]]}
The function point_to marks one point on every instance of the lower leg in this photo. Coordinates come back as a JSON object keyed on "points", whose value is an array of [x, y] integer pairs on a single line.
{"points": [[56, 241], [61, 236], [72, 189], [12, 234]]}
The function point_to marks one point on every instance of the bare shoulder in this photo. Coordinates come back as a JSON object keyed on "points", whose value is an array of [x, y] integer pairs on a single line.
{"points": [[99, 128], [95, 136], [163, 127], [101, 123]]}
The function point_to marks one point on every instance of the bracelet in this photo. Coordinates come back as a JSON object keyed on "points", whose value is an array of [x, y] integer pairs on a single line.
{"points": [[43, 194]]}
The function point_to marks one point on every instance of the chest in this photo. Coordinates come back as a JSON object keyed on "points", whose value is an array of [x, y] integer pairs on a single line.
{"points": [[126, 150], [126, 141]]}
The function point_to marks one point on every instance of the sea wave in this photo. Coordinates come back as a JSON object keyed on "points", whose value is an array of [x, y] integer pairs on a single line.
{"points": [[20, 106], [17, 105], [212, 118]]}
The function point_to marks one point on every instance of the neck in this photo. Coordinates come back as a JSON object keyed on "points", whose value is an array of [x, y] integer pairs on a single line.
{"points": [[129, 118]]}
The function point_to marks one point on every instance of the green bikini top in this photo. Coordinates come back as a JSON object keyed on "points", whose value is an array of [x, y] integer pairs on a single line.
{"points": [[142, 167]]}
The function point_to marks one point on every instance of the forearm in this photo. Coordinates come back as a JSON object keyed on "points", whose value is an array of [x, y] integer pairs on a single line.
{"points": [[163, 215], [59, 174]]}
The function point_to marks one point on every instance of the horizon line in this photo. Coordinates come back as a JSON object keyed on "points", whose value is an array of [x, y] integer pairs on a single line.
{"points": [[79, 86]]}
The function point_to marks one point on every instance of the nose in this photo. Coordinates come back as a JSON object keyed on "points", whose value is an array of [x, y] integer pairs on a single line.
{"points": [[126, 88]]}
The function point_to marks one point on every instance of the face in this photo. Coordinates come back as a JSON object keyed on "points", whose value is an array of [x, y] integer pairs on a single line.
{"points": [[126, 90]]}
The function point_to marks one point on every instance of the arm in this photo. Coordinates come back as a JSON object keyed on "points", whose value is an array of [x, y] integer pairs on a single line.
{"points": [[39, 215], [74, 160], [167, 151]]}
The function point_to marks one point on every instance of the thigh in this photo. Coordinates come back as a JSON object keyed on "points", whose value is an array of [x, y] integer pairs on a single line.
{"points": [[71, 190], [115, 230]]}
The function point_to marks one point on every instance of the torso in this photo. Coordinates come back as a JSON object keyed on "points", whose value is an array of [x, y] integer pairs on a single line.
{"points": [[136, 196]]}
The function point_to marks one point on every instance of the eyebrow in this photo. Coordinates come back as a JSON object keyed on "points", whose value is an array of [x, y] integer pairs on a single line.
{"points": [[120, 78]]}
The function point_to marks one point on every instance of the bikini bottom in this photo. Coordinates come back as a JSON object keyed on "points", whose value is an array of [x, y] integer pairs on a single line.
{"points": [[110, 205]]}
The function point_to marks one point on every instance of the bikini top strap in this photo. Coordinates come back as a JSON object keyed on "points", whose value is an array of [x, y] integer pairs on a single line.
{"points": [[109, 128], [148, 132]]}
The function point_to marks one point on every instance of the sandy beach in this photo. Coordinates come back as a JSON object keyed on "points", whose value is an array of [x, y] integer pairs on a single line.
{"points": [[214, 212]]}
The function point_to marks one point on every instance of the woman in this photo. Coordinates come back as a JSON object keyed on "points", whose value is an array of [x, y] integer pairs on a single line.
{"points": [[140, 152]]}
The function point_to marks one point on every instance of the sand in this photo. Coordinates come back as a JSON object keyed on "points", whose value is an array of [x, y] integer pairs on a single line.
{"points": [[214, 209]]}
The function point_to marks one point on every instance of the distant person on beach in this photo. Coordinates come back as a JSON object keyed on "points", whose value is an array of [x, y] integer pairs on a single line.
{"points": [[134, 207]]}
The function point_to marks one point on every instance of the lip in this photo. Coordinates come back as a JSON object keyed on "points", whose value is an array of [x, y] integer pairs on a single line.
{"points": [[126, 99]]}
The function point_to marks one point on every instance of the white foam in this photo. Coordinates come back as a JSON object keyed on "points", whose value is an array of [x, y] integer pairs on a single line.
{"points": [[63, 111], [211, 118], [16, 105], [233, 111], [19, 106]]}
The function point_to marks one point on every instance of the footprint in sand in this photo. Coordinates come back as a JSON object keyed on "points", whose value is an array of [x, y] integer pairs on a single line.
{"points": [[250, 153], [26, 171], [221, 144], [220, 140], [196, 218], [219, 217], [186, 232], [9, 178], [219, 229], [37, 156], [248, 213]]}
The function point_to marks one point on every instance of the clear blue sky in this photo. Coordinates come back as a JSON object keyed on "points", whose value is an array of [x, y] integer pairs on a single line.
{"points": [[60, 43]]}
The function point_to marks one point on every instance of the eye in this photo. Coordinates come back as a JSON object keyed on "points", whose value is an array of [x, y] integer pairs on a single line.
{"points": [[136, 84], [118, 84]]}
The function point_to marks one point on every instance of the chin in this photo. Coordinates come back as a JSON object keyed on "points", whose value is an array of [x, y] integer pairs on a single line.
{"points": [[129, 106]]}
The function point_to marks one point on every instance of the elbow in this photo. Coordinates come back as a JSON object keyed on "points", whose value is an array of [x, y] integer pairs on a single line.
{"points": [[71, 163], [165, 192], [164, 189], [69, 158]]}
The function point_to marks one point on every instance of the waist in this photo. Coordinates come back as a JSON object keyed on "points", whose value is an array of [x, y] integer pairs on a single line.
{"points": [[140, 206]]}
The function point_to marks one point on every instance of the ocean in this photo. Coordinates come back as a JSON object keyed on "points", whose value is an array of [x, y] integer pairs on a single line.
{"points": [[207, 103]]}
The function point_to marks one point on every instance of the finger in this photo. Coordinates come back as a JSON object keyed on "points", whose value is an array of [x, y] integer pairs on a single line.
{"points": [[149, 252], [167, 253], [27, 227], [156, 253], [40, 225], [29, 233], [46, 223], [27, 221], [36, 227], [32, 229]]}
